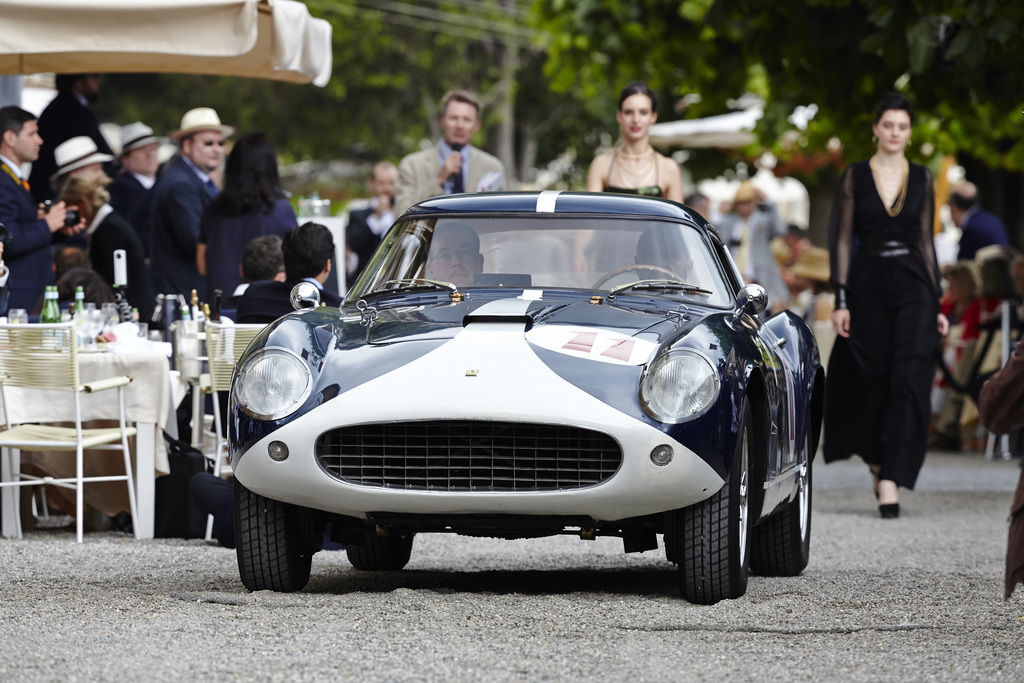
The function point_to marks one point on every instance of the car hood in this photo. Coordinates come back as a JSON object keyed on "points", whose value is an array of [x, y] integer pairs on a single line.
{"points": [[607, 332]]}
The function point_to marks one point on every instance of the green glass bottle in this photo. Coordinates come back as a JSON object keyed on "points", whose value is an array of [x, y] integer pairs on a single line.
{"points": [[51, 309]]}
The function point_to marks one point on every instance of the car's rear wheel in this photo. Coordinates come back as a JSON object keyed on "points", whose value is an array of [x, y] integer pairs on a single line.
{"points": [[781, 546], [710, 540], [381, 553], [274, 542]]}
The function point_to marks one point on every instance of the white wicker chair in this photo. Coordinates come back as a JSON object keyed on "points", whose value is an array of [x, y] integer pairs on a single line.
{"points": [[224, 346], [45, 357]]}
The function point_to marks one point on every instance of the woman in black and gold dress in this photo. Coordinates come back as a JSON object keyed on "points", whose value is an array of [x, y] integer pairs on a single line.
{"points": [[887, 317], [634, 167]]}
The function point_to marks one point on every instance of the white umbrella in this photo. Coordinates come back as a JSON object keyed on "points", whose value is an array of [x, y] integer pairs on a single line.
{"points": [[726, 130], [273, 39]]}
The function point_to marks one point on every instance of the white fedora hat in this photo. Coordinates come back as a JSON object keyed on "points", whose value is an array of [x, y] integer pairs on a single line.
{"points": [[76, 153], [201, 118], [136, 135]]}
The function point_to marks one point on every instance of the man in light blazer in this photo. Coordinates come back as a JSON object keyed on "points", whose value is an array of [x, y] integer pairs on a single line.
{"points": [[453, 165], [749, 230]]}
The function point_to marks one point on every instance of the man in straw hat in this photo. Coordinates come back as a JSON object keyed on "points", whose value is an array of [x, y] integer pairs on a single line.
{"points": [[78, 156], [131, 191], [749, 229], [181, 193]]}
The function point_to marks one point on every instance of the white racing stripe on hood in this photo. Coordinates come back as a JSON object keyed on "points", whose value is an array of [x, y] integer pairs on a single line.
{"points": [[546, 201]]}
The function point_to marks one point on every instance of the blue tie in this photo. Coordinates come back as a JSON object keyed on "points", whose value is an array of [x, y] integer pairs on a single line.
{"points": [[212, 187]]}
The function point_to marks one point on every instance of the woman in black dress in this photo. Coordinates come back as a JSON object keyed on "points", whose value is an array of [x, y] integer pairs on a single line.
{"points": [[887, 318]]}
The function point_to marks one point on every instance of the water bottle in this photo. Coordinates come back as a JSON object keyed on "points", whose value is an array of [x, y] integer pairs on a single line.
{"points": [[50, 315]]}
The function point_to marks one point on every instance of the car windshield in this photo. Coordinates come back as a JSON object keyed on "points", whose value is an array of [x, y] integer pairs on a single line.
{"points": [[606, 253]]}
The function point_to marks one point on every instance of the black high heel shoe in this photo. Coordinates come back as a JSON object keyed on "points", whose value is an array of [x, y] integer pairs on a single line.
{"points": [[889, 510]]}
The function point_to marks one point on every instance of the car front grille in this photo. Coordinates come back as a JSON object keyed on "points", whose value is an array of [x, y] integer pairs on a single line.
{"points": [[449, 455]]}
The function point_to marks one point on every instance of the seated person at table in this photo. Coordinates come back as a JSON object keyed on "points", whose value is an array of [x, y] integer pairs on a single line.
{"points": [[662, 246], [308, 254], [454, 255], [262, 259], [96, 289]]}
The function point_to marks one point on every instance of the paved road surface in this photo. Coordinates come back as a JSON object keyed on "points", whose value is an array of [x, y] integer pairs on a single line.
{"points": [[918, 598]]}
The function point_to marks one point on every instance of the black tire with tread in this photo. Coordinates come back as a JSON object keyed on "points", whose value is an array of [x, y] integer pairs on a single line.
{"points": [[381, 553], [707, 539], [274, 542], [778, 546]]}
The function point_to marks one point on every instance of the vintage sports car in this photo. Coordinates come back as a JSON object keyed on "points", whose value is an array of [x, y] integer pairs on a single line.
{"points": [[520, 365]]}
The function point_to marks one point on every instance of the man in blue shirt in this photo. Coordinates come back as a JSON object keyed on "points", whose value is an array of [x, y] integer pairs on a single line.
{"points": [[979, 228]]}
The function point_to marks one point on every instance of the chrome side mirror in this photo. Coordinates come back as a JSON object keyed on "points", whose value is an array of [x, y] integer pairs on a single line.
{"points": [[305, 296], [752, 300]]}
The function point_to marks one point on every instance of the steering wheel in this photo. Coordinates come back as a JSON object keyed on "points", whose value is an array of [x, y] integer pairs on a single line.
{"points": [[633, 267]]}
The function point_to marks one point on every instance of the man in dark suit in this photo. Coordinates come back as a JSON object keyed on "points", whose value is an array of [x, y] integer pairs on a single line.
{"points": [[979, 228], [67, 116], [28, 251], [182, 192], [131, 192], [308, 251], [367, 226]]}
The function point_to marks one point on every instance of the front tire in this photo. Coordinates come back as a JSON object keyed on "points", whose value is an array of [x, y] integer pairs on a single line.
{"points": [[710, 538], [781, 545], [274, 542], [381, 553]]}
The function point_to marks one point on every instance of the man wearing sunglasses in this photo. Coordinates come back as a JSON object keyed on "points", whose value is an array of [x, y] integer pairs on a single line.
{"points": [[183, 190]]}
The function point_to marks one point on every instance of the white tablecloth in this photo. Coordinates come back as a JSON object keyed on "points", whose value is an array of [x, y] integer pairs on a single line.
{"points": [[149, 403]]}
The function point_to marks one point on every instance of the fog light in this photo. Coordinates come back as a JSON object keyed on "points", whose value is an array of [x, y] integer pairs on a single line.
{"points": [[277, 450], [661, 455]]}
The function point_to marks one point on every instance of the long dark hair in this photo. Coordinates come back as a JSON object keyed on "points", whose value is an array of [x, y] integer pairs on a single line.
{"points": [[251, 181]]}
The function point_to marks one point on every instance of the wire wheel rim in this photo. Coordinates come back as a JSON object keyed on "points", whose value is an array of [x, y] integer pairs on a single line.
{"points": [[803, 494], [743, 499]]}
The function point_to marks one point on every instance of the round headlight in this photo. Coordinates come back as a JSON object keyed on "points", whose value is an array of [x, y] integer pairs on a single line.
{"points": [[271, 384], [679, 386]]}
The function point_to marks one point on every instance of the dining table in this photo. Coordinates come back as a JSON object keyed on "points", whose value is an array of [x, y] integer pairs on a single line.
{"points": [[150, 402]]}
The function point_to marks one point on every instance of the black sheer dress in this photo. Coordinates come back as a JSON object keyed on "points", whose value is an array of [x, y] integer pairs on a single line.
{"points": [[879, 380]]}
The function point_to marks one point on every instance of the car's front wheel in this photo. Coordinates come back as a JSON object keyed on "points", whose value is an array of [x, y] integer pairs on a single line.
{"points": [[710, 539], [274, 542], [781, 545], [381, 553]]}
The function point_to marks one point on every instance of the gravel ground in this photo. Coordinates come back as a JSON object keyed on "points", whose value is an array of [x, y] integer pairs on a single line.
{"points": [[918, 598]]}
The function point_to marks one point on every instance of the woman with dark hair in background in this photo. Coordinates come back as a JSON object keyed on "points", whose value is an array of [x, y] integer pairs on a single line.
{"points": [[887, 317], [634, 167], [252, 204]]}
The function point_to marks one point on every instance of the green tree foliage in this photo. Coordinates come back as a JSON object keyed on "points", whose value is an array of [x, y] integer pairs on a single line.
{"points": [[958, 60]]}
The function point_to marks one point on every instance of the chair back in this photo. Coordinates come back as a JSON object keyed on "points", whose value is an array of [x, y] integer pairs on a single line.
{"points": [[39, 356], [225, 344]]}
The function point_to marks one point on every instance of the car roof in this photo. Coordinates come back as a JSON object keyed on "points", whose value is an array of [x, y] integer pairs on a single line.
{"points": [[555, 201]]}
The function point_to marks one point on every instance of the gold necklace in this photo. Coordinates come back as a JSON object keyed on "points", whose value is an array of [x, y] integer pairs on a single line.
{"points": [[623, 154], [643, 174], [901, 191]]}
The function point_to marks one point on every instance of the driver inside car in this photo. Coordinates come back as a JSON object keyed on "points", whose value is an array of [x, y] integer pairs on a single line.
{"points": [[662, 247], [454, 255]]}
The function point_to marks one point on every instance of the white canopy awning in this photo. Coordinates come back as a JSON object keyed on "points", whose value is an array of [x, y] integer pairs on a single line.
{"points": [[735, 129], [273, 39]]}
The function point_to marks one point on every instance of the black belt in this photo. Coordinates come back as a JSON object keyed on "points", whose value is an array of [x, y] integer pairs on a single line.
{"points": [[884, 249]]}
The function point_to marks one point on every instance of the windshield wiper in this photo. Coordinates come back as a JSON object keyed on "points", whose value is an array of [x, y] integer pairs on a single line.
{"points": [[417, 283], [661, 284]]}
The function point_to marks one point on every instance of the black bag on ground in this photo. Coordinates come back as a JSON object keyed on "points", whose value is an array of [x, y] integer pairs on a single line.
{"points": [[174, 515]]}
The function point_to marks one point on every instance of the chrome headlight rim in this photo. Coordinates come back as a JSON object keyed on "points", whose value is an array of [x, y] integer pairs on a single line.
{"points": [[655, 367], [263, 354]]}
